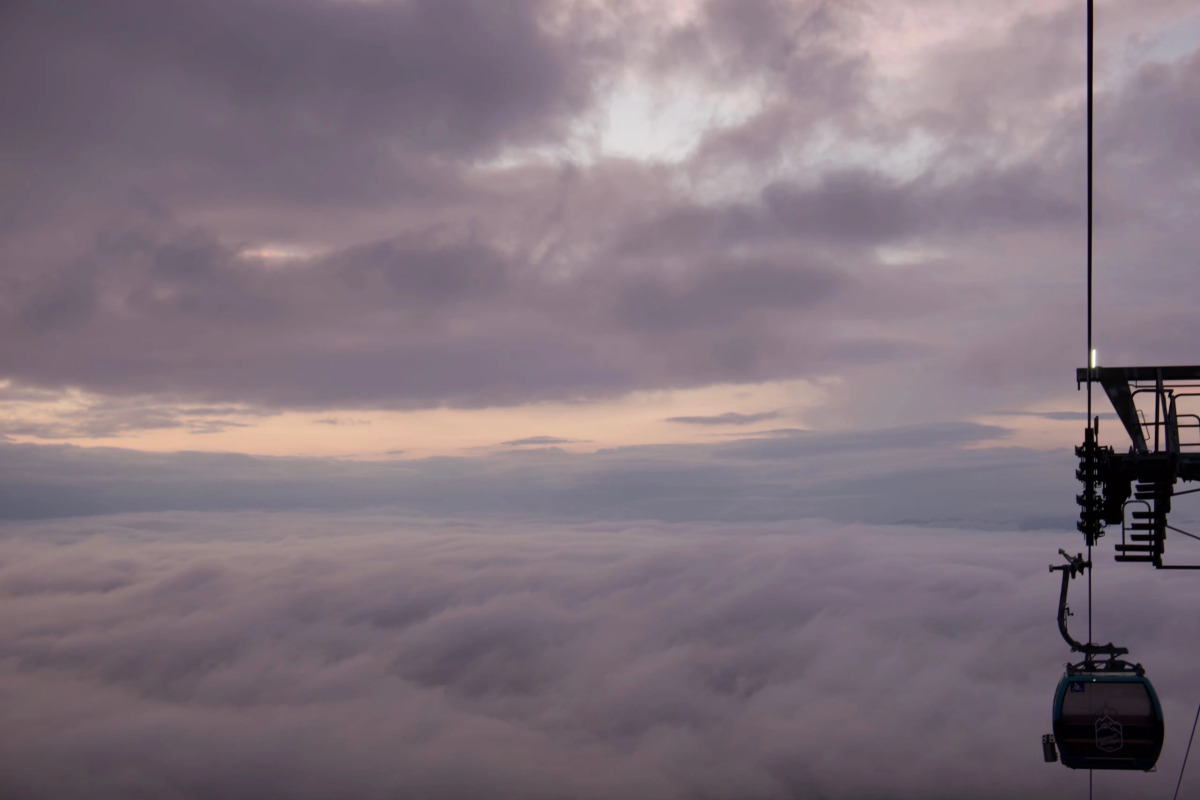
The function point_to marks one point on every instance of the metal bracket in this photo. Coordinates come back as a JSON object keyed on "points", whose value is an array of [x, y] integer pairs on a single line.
{"points": [[1076, 565]]}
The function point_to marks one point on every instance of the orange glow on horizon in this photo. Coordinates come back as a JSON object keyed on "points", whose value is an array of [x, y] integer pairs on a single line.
{"points": [[636, 419]]}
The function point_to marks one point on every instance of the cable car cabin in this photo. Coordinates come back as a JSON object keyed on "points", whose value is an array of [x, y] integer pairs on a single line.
{"points": [[1107, 721]]}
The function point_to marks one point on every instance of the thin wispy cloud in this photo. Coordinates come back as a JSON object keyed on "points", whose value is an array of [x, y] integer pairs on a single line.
{"points": [[537, 440], [1058, 416], [728, 418]]}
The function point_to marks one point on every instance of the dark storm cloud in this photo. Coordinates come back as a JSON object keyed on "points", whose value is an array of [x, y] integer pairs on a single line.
{"points": [[806, 52], [307, 657], [930, 475], [728, 418], [300, 101], [863, 206], [1154, 120], [421, 320], [716, 293]]}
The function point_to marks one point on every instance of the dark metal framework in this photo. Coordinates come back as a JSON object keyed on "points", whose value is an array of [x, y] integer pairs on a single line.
{"points": [[1092, 653], [1134, 489]]}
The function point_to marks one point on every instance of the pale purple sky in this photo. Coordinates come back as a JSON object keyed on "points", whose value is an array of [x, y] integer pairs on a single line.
{"points": [[643, 274]]}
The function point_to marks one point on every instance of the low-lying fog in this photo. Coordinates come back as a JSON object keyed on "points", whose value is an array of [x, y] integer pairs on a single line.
{"points": [[252, 655]]}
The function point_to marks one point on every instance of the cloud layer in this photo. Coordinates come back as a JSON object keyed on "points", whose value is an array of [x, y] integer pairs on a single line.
{"points": [[306, 656], [943, 474]]}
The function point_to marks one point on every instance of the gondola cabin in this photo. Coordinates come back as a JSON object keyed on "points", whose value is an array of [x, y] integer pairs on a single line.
{"points": [[1107, 721]]}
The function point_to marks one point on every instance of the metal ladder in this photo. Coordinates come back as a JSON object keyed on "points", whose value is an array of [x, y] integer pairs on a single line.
{"points": [[1144, 529]]}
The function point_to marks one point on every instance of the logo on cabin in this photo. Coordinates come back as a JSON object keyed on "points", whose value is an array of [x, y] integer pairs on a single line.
{"points": [[1109, 736]]}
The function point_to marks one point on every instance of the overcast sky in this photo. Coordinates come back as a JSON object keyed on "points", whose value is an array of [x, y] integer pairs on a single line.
{"points": [[730, 283], [301, 227]]}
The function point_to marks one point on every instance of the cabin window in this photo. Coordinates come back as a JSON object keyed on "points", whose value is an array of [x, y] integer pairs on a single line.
{"points": [[1086, 701]]}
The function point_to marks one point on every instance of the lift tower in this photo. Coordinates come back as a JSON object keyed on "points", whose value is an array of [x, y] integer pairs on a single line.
{"points": [[1134, 489]]}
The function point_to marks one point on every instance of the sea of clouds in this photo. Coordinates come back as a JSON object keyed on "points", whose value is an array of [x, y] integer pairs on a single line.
{"points": [[287, 655]]}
